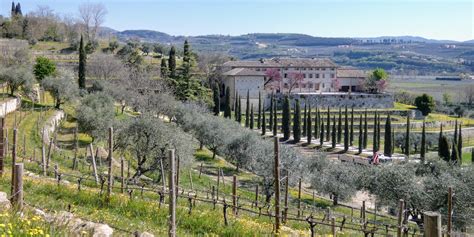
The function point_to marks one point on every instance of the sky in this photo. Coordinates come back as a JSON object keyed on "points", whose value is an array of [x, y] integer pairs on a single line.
{"points": [[433, 19]]}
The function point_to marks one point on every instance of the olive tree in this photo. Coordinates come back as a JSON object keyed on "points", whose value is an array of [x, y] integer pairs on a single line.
{"points": [[148, 139], [63, 87], [16, 77], [95, 114]]}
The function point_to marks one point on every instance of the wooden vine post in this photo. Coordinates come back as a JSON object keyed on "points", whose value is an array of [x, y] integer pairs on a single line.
{"points": [[74, 161], [299, 197], [286, 197], [122, 175], [13, 161], [450, 211], [17, 196], [432, 224], [400, 219], [2, 145], [94, 165], [109, 174], [172, 197], [277, 184], [234, 194]]}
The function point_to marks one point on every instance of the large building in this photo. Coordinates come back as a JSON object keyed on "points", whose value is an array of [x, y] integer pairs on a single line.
{"points": [[283, 75]]}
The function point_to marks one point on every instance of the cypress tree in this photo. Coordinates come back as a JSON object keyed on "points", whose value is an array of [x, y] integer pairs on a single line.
{"points": [[304, 118], [393, 140], [472, 156], [264, 124], [18, 10], [321, 136], [328, 125], [172, 62], [271, 110], [333, 133], [240, 110], [163, 68], [309, 127], [455, 137], [236, 107], [297, 122], [439, 139], [423, 142], [407, 138], [460, 142], [12, 10], [339, 127], [286, 118], [216, 94], [259, 116], [186, 52], [443, 148], [374, 137], [316, 124], [346, 130], [454, 153], [275, 119], [251, 117], [82, 64], [361, 135], [387, 151], [365, 139], [247, 110], [227, 108], [351, 137]]}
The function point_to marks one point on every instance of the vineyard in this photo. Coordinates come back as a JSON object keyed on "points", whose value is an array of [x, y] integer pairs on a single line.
{"points": [[212, 195]]}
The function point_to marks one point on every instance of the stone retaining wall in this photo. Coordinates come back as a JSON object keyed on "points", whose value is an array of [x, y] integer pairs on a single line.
{"points": [[336, 100], [9, 106]]}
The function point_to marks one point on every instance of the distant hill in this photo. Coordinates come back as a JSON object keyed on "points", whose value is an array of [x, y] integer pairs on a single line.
{"points": [[407, 39], [145, 35], [469, 41]]}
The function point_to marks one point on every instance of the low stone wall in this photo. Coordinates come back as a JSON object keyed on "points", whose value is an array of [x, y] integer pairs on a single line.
{"points": [[336, 100], [9, 106], [50, 125]]}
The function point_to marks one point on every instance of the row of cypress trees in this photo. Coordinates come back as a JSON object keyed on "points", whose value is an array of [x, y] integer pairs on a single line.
{"points": [[304, 127]]}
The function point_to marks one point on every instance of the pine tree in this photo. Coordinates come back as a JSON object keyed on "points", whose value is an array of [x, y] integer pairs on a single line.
{"points": [[374, 137], [316, 124], [275, 119], [366, 136], [172, 62], [361, 135], [309, 127], [346, 130], [297, 122], [163, 68], [321, 136], [443, 149], [460, 142], [264, 123], [286, 118], [271, 110], [328, 125], [82, 64], [259, 116], [216, 95], [407, 138], [247, 110], [304, 118], [227, 108], [387, 151], [339, 127], [251, 117], [351, 137], [423, 142], [333, 133]]}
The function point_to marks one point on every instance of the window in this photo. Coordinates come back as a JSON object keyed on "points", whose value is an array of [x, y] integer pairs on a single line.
{"points": [[285, 85], [304, 75], [317, 75], [310, 85], [304, 85], [286, 75], [286, 69], [323, 85], [304, 69], [297, 85], [310, 75], [332, 75], [324, 75], [258, 69], [332, 69]]}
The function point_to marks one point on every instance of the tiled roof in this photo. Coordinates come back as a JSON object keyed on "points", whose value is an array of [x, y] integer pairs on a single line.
{"points": [[350, 72], [244, 72], [283, 62]]}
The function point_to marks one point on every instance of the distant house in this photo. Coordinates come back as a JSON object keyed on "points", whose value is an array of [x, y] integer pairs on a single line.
{"points": [[283, 75], [449, 78]]}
